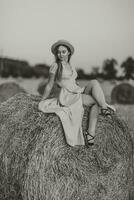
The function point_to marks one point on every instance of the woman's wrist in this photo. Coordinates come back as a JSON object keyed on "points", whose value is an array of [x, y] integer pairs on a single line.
{"points": [[44, 98]]}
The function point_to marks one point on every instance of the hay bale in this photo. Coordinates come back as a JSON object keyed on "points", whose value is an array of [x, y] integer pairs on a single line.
{"points": [[8, 90], [123, 94], [127, 114], [54, 92], [37, 164]]}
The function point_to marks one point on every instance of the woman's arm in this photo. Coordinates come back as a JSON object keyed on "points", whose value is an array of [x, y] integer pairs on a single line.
{"points": [[49, 86]]}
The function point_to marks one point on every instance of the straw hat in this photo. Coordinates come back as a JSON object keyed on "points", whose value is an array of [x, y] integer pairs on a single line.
{"points": [[62, 42]]}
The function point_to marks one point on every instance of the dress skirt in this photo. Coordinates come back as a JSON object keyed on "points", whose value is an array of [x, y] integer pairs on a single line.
{"points": [[70, 115]]}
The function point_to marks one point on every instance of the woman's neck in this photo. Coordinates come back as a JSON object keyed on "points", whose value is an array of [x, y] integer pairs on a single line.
{"points": [[64, 62]]}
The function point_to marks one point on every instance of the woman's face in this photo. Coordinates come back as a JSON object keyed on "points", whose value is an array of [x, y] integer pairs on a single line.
{"points": [[63, 53]]}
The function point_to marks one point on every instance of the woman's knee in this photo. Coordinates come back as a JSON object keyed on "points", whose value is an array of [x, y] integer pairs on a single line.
{"points": [[40, 106], [90, 85], [88, 100], [94, 82]]}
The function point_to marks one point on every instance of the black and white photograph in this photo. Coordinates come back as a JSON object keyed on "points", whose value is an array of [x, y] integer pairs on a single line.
{"points": [[66, 99]]}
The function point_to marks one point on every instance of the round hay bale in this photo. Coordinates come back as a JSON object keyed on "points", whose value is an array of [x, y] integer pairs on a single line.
{"points": [[123, 94], [8, 90], [54, 92], [36, 163]]}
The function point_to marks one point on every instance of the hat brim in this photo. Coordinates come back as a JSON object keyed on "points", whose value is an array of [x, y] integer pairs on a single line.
{"points": [[64, 43]]}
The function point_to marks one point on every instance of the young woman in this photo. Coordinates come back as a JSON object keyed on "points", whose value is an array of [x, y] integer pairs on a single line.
{"points": [[68, 104]]}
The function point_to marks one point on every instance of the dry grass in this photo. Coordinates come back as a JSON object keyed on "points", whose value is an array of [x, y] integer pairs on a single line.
{"points": [[8, 90], [37, 164]]}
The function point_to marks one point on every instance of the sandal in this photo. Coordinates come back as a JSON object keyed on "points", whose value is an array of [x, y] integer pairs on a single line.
{"points": [[90, 138], [107, 112], [111, 107]]}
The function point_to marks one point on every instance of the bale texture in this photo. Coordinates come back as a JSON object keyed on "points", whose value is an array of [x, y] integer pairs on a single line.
{"points": [[36, 163], [126, 113], [123, 94], [8, 90]]}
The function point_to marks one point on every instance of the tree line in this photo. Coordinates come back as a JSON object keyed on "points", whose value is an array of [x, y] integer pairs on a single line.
{"points": [[109, 69], [20, 68]]}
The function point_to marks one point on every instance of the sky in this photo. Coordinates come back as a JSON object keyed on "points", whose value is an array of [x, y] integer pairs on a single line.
{"points": [[98, 29]]}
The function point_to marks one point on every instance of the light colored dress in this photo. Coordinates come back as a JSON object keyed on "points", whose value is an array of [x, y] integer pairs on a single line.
{"points": [[68, 106]]}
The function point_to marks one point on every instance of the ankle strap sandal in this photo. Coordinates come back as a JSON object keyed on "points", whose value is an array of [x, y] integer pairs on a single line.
{"points": [[107, 112], [90, 138]]}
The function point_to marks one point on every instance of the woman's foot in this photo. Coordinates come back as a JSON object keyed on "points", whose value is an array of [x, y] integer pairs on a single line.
{"points": [[108, 111], [105, 111], [90, 138], [111, 107]]}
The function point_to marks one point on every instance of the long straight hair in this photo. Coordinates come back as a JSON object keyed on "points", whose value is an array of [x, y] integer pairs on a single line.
{"points": [[60, 69]]}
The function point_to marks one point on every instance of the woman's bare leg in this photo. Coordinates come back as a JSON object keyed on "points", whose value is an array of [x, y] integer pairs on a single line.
{"points": [[93, 116], [96, 91]]}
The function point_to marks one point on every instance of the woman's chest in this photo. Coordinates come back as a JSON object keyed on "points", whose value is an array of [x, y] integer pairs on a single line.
{"points": [[67, 71]]}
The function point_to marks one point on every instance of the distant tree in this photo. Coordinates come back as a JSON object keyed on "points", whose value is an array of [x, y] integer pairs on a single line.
{"points": [[95, 72], [14, 68], [108, 68], [27, 71], [4, 68], [41, 70], [81, 74], [128, 67]]}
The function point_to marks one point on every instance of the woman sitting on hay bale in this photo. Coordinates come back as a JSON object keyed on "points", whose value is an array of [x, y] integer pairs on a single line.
{"points": [[71, 98]]}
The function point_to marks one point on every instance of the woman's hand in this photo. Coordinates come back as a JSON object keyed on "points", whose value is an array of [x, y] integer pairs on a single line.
{"points": [[43, 98], [49, 86]]}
